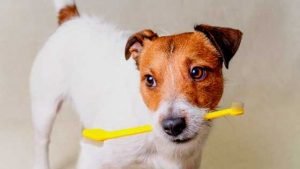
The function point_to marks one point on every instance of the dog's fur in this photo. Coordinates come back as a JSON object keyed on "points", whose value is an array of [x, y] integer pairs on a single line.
{"points": [[73, 65]]}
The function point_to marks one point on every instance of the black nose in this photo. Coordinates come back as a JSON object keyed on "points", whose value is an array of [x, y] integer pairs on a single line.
{"points": [[174, 126]]}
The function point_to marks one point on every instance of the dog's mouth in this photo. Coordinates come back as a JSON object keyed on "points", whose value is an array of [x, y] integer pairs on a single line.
{"points": [[181, 141], [187, 137]]}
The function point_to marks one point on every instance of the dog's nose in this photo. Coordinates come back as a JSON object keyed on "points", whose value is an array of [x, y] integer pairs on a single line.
{"points": [[174, 126]]}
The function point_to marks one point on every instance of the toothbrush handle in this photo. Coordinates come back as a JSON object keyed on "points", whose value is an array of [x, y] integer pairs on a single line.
{"points": [[128, 132], [217, 114]]}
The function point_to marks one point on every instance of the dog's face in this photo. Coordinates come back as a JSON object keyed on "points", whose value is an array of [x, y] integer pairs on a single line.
{"points": [[181, 75]]}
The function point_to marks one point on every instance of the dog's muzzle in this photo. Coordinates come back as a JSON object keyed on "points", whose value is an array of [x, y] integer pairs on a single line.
{"points": [[180, 122]]}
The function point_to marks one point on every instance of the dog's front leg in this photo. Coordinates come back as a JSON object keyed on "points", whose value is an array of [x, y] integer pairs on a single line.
{"points": [[90, 156]]}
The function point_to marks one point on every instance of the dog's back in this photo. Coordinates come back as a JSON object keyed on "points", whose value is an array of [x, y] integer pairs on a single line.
{"points": [[83, 62], [87, 52]]}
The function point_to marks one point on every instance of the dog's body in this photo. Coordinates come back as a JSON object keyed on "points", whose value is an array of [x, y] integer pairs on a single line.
{"points": [[67, 68], [73, 66]]}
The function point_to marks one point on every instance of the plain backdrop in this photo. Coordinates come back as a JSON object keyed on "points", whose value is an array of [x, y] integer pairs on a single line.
{"points": [[264, 74]]}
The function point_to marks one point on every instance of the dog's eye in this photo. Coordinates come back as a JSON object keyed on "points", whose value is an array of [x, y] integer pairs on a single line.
{"points": [[198, 73], [150, 81]]}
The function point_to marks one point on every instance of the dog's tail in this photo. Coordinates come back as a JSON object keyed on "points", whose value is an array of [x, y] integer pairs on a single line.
{"points": [[66, 10]]}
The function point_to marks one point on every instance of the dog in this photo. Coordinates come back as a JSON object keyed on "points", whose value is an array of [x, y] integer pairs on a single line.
{"points": [[170, 82]]}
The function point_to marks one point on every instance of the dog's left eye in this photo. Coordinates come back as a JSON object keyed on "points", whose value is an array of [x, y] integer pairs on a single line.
{"points": [[198, 73], [150, 81]]}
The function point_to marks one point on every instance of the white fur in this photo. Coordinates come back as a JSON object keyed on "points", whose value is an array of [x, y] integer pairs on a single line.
{"points": [[59, 4], [83, 61]]}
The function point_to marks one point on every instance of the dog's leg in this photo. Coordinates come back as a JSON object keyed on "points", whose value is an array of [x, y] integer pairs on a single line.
{"points": [[89, 157], [43, 113]]}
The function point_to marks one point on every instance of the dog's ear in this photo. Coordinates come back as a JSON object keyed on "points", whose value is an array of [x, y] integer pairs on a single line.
{"points": [[135, 43], [226, 40]]}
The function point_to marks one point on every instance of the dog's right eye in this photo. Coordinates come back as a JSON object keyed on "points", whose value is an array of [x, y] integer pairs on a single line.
{"points": [[150, 81], [198, 73]]}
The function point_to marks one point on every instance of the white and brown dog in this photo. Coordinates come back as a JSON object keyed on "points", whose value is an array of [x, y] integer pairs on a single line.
{"points": [[178, 79]]}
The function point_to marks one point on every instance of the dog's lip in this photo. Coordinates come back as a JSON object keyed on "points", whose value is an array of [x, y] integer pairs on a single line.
{"points": [[184, 140], [181, 141]]}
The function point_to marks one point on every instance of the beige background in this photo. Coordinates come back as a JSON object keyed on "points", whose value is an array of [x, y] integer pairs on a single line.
{"points": [[265, 74]]}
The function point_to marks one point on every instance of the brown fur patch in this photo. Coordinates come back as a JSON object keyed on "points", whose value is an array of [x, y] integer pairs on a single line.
{"points": [[67, 13], [138, 38], [169, 59]]}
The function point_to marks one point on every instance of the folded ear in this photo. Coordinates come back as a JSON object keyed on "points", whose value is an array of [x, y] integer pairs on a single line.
{"points": [[226, 40], [135, 43]]}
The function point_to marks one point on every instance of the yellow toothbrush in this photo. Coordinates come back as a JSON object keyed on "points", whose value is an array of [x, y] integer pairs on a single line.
{"points": [[102, 135], [236, 109]]}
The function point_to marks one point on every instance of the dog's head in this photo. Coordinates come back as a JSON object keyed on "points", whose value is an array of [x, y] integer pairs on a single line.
{"points": [[181, 75]]}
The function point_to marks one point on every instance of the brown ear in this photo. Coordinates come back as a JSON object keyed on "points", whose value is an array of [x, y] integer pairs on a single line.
{"points": [[135, 43], [226, 40]]}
